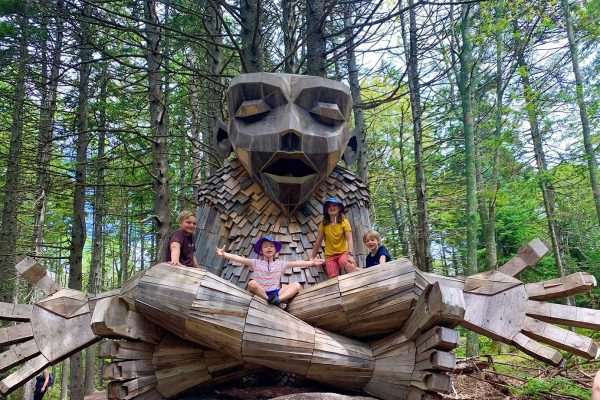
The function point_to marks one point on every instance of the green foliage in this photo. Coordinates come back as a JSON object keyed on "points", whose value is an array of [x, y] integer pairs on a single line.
{"points": [[540, 389]]}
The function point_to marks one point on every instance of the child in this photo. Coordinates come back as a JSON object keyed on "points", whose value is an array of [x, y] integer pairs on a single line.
{"points": [[266, 280], [181, 246], [378, 254], [336, 230]]}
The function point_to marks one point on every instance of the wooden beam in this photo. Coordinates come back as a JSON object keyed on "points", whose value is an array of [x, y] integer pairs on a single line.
{"points": [[125, 349], [562, 338], [18, 353], [15, 312], [30, 369], [15, 334], [439, 305], [564, 315], [537, 350], [579, 282], [33, 272], [113, 318], [528, 255]]}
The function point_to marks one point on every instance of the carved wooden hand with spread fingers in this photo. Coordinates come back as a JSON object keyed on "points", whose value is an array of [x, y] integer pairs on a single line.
{"points": [[505, 309], [47, 331]]}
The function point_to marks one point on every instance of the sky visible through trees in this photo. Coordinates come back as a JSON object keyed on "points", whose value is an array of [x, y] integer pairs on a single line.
{"points": [[107, 110]]}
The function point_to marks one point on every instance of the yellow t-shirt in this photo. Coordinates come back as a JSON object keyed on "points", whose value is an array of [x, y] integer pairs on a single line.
{"points": [[335, 240]]}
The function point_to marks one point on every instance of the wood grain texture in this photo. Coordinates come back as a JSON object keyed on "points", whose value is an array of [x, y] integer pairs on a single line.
{"points": [[564, 315], [527, 256], [558, 337], [15, 334], [33, 272], [569, 285], [234, 210]]}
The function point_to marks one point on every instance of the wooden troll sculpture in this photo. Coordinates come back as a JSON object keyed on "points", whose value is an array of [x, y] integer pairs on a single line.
{"points": [[175, 328]]}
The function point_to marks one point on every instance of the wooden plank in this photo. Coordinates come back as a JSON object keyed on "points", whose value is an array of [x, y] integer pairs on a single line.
{"points": [[33, 272], [18, 353], [15, 334], [15, 312], [527, 256], [113, 318], [508, 310], [562, 338], [564, 315], [537, 350], [58, 337], [125, 349], [27, 371], [490, 283], [569, 285], [439, 305]]}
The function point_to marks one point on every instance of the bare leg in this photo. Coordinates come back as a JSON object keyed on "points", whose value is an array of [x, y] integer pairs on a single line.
{"points": [[346, 266], [289, 291], [256, 289]]}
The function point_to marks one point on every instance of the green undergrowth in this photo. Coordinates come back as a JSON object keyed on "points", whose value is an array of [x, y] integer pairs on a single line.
{"points": [[534, 379]]}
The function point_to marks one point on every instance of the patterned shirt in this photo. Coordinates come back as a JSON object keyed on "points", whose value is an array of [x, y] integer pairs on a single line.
{"points": [[268, 274]]}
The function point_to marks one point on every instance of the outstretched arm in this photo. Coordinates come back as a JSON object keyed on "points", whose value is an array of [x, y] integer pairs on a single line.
{"points": [[317, 245], [305, 264], [234, 257]]}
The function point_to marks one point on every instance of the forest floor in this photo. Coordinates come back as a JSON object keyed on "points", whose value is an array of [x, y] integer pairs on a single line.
{"points": [[505, 377]]}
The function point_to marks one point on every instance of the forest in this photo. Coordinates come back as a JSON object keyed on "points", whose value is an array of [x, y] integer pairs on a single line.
{"points": [[476, 127]]}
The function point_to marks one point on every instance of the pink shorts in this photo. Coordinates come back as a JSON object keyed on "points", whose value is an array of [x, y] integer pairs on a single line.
{"points": [[334, 263]]}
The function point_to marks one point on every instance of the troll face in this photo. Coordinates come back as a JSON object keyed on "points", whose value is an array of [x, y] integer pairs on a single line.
{"points": [[289, 132]]}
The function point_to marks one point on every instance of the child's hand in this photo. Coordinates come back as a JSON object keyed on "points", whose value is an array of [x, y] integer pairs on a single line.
{"points": [[318, 261], [221, 251]]}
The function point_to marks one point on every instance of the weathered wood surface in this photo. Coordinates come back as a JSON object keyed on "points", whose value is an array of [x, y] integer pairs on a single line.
{"points": [[113, 318], [527, 256], [33, 272], [569, 285], [273, 338], [368, 302], [235, 210]]}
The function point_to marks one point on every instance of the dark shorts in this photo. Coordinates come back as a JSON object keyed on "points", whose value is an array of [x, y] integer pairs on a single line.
{"points": [[273, 293]]}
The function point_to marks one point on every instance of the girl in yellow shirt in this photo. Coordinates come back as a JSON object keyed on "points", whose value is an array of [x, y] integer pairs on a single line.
{"points": [[336, 230]]}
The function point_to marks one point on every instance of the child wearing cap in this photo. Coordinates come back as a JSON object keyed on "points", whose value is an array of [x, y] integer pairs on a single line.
{"points": [[266, 280], [337, 233]]}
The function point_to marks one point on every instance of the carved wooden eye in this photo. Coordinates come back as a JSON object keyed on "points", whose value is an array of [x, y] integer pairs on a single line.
{"points": [[327, 113], [252, 110]]}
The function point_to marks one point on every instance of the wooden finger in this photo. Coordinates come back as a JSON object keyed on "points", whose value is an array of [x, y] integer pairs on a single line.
{"points": [[537, 350], [125, 349], [528, 255], [562, 338], [27, 371], [15, 334], [18, 353], [564, 315], [33, 272], [133, 389], [570, 285], [15, 312]]}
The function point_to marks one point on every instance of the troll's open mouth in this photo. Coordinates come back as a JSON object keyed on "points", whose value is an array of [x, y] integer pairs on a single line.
{"points": [[290, 170]]}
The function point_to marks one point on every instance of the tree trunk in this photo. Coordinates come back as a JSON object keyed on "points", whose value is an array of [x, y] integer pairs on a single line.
{"points": [[64, 379], [160, 132], [359, 119], [289, 27], [590, 153], [214, 91], [422, 250], [99, 211], [411, 237], [9, 225], [316, 61], [78, 233], [532, 108], [196, 134], [47, 113], [251, 35], [464, 86]]}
